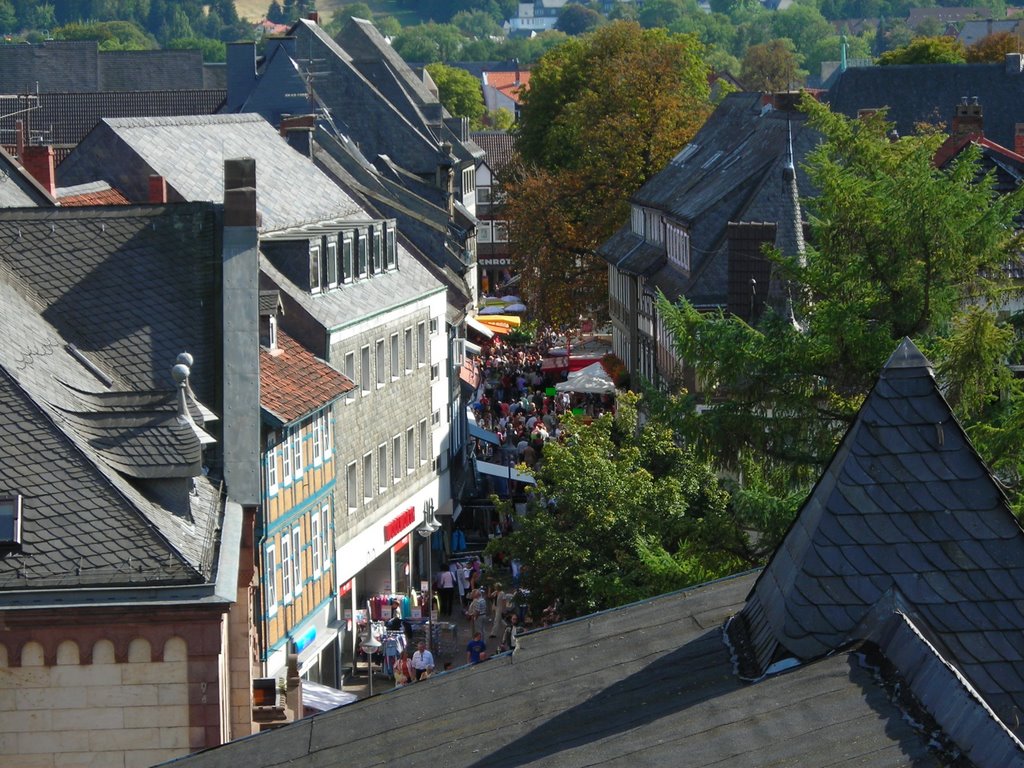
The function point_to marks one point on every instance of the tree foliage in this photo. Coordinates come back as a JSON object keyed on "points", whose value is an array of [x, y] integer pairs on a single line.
{"points": [[602, 114], [576, 19], [621, 512], [772, 66], [458, 91], [993, 48], [927, 50], [900, 248]]}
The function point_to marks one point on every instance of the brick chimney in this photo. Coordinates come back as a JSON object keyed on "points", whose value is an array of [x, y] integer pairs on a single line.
{"points": [[298, 132], [968, 117], [314, 17], [38, 161], [1018, 138], [157, 189]]}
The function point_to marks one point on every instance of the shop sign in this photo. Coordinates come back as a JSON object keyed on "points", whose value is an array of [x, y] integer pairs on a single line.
{"points": [[305, 639], [485, 261], [399, 523], [345, 588]]}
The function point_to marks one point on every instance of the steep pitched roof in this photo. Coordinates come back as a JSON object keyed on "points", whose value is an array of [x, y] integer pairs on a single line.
{"points": [[908, 519], [189, 152], [928, 93], [294, 383], [511, 84], [93, 193]]}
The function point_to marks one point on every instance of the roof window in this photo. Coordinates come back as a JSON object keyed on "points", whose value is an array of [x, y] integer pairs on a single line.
{"points": [[10, 522]]}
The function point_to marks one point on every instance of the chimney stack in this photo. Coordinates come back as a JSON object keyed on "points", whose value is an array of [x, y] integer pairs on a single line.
{"points": [[157, 188], [314, 17], [38, 161], [298, 132], [968, 118]]}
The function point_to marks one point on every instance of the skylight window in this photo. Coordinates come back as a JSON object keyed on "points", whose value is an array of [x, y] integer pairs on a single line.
{"points": [[688, 151]]}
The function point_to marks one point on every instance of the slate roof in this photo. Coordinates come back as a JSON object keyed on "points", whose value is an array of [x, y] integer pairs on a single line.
{"points": [[907, 519], [499, 148], [732, 170], [85, 524], [648, 684], [62, 65], [189, 152], [18, 188], [67, 117], [928, 93], [295, 383]]}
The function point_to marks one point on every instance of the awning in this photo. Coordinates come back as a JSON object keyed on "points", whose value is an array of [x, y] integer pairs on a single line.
{"points": [[471, 348], [483, 434], [321, 698], [479, 327], [500, 470]]}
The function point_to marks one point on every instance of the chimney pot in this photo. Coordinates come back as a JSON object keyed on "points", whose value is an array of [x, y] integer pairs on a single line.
{"points": [[38, 161]]}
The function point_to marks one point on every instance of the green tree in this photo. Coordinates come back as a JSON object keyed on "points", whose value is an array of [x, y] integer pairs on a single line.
{"points": [[927, 50], [900, 248], [621, 512], [803, 24], [111, 35], [8, 19], [477, 24], [663, 13], [459, 91], [772, 66], [500, 119], [595, 136], [212, 50], [429, 42], [576, 19], [993, 48]]}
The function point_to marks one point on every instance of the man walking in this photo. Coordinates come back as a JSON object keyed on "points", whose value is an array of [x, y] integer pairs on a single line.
{"points": [[422, 662]]}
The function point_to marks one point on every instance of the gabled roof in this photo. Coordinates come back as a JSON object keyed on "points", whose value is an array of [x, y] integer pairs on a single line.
{"points": [[499, 148], [511, 84], [18, 187], [294, 383], [928, 93], [905, 518], [93, 193], [189, 152]]}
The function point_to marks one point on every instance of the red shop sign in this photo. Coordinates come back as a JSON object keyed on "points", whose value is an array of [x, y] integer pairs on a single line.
{"points": [[400, 522]]}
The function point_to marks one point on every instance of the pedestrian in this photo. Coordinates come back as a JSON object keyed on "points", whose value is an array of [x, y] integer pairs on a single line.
{"points": [[512, 629], [502, 601], [422, 662], [476, 649], [404, 673], [476, 611], [446, 586]]}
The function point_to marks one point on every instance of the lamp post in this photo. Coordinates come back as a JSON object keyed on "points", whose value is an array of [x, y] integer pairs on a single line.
{"points": [[430, 525], [370, 646]]}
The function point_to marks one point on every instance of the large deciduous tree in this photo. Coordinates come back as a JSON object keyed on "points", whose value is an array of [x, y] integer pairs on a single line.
{"points": [[927, 50], [621, 512], [459, 91], [603, 112], [900, 248], [772, 66]]}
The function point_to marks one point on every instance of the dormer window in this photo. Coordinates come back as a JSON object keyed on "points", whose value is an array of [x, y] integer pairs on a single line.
{"points": [[391, 236], [315, 277], [273, 333], [332, 264], [361, 255], [10, 522], [347, 248], [378, 249]]}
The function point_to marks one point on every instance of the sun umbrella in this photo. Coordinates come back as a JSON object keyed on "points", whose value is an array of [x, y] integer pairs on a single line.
{"points": [[518, 307]]}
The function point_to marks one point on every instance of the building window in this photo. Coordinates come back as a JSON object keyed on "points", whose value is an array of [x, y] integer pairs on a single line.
{"points": [[410, 449], [346, 257], [500, 231], [483, 195], [421, 343], [315, 543], [286, 458], [364, 372], [396, 458], [378, 249], [350, 374], [314, 269], [391, 245], [677, 245], [382, 467], [332, 264], [271, 472], [468, 183], [408, 350], [435, 372], [424, 445], [636, 220], [317, 441], [325, 433], [433, 326], [297, 452], [325, 535], [380, 362], [483, 231], [361, 255], [270, 579], [350, 487], [272, 326], [435, 418], [297, 559], [367, 476], [286, 567], [395, 364]]}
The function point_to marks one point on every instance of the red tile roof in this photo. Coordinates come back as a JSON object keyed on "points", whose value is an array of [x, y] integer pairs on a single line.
{"points": [[99, 197], [509, 83], [294, 383]]}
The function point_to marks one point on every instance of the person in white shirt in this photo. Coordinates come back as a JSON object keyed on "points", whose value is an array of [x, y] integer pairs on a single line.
{"points": [[422, 661]]}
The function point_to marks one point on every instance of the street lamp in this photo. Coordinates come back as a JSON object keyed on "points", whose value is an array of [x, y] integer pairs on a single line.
{"points": [[370, 646], [430, 525]]}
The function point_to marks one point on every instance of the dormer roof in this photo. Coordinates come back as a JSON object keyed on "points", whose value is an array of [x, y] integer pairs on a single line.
{"points": [[296, 383]]}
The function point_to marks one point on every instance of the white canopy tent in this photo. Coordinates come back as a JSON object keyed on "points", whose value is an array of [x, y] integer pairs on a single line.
{"points": [[586, 384]]}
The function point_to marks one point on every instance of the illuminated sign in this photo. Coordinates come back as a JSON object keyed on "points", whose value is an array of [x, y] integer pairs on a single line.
{"points": [[399, 523]]}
